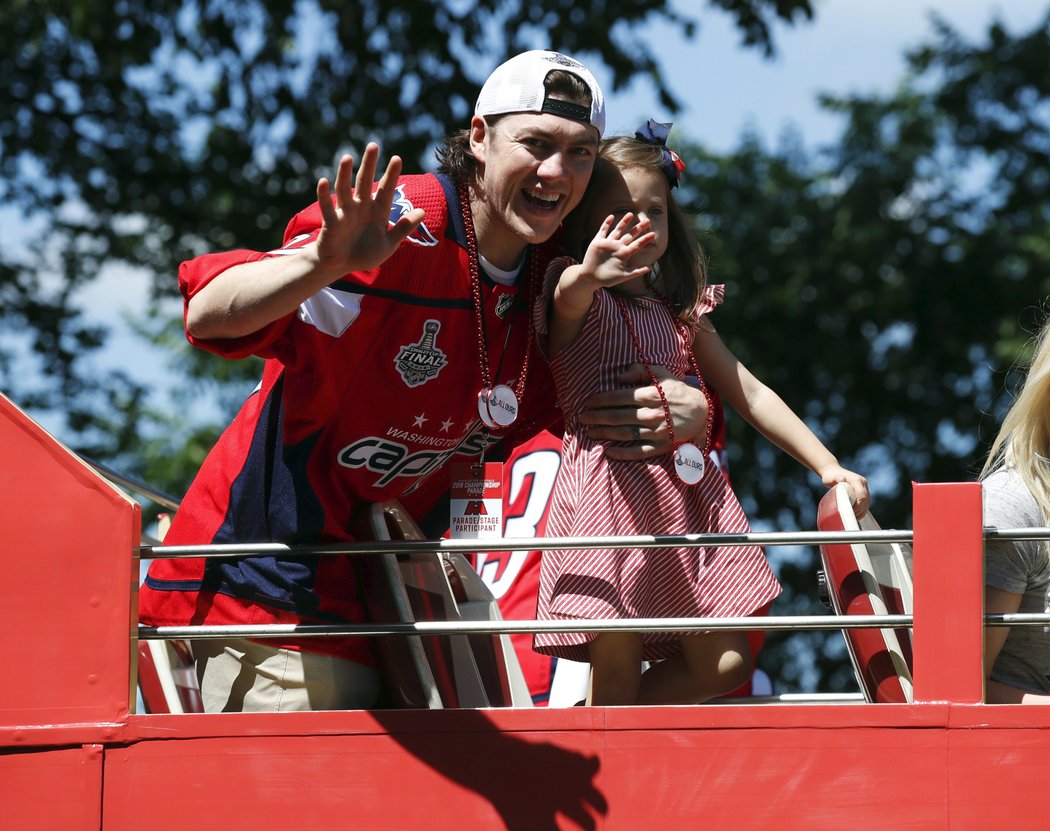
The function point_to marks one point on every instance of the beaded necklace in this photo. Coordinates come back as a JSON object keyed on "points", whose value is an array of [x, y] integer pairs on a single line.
{"points": [[498, 405], [689, 461]]}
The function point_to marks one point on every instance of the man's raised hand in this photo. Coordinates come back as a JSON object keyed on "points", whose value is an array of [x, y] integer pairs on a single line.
{"points": [[356, 234]]}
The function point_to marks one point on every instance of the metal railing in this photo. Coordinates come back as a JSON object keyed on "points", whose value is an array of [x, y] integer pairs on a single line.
{"points": [[655, 542], [771, 538], [768, 624]]}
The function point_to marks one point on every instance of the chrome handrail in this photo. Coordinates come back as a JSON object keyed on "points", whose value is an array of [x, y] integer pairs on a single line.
{"points": [[646, 541], [524, 544], [501, 627], [132, 484], [993, 533], [782, 623]]}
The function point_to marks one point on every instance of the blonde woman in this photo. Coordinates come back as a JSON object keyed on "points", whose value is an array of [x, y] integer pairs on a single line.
{"points": [[1016, 484]]}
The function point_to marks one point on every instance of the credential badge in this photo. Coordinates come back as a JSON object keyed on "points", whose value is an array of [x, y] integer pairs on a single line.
{"points": [[420, 362]]}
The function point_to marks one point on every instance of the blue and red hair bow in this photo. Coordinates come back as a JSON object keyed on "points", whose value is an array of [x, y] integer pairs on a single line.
{"points": [[656, 133]]}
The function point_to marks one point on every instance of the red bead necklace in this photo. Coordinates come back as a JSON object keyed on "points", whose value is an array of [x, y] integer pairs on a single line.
{"points": [[689, 461], [498, 405]]}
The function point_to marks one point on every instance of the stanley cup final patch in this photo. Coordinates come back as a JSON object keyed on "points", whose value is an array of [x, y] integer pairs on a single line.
{"points": [[420, 362]]}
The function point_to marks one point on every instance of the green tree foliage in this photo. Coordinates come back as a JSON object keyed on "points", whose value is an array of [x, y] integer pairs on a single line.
{"points": [[887, 285], [884, 285], [143, 133]]}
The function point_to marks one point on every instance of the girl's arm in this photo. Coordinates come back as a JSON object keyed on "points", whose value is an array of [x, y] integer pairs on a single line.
{"points": [[606, 263], [572, 299], [767, 413]]}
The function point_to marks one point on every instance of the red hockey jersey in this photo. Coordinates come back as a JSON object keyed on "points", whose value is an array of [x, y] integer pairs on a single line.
{"points": [[369, 389]]}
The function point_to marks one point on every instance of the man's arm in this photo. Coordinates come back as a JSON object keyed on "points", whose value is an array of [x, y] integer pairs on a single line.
{"points": [[355, 235], [613, 415]]}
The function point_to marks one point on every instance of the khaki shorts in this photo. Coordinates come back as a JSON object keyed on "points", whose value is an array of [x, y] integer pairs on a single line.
{"points": [[243, 676]]}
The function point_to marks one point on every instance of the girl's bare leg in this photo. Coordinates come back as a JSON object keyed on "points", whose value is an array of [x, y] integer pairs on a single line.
{"points": [[711, 664], [616, 668]]}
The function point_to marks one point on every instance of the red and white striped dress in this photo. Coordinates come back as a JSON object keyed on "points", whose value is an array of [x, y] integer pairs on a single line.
{"points": [[598, 496]]}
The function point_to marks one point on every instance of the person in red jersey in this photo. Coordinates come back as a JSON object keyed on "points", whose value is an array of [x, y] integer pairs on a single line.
{"points": [[394, 320]]}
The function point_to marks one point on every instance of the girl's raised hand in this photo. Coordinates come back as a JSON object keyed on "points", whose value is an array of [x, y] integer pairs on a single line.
{"points": [[356, 233], [608, 257]]}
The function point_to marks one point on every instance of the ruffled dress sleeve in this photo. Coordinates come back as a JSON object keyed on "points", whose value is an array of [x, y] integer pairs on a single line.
{"points": [[710, 298]]}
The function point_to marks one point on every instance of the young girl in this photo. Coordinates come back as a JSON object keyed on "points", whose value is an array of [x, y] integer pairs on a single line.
{"points": [[637, 294]]}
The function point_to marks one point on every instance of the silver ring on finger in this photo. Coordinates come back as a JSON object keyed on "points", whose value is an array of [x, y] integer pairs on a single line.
{"points": [[636, 432]]}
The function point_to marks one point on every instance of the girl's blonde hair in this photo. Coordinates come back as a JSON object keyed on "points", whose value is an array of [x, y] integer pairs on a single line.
{"points": [[681, 273], [1023, 442]]}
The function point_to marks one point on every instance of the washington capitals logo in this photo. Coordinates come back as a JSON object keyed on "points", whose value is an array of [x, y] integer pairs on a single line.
{"points": [[420, 362], [400, 207]]}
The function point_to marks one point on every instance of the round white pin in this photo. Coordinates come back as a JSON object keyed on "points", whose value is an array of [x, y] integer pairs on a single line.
{"points": [[689, 463], [483, 409], [502, 404]]}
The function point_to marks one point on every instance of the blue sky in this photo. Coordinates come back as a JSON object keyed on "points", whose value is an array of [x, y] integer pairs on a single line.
{"points": [[850, 46]]}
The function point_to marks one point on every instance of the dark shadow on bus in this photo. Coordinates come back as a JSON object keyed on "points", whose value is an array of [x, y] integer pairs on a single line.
{"points": [[528, 783]]}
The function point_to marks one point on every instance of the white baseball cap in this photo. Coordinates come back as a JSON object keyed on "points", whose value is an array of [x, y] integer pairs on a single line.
{"points": [[516, 86]]}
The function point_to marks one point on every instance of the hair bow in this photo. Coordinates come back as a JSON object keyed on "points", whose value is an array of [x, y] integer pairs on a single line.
{"points": [[656, 133]]}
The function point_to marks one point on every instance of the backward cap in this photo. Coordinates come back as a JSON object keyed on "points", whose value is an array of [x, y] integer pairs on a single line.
{"points": [[516, 86]]}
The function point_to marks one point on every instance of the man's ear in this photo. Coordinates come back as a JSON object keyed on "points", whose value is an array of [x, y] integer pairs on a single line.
{"points": [[479, 131]]}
